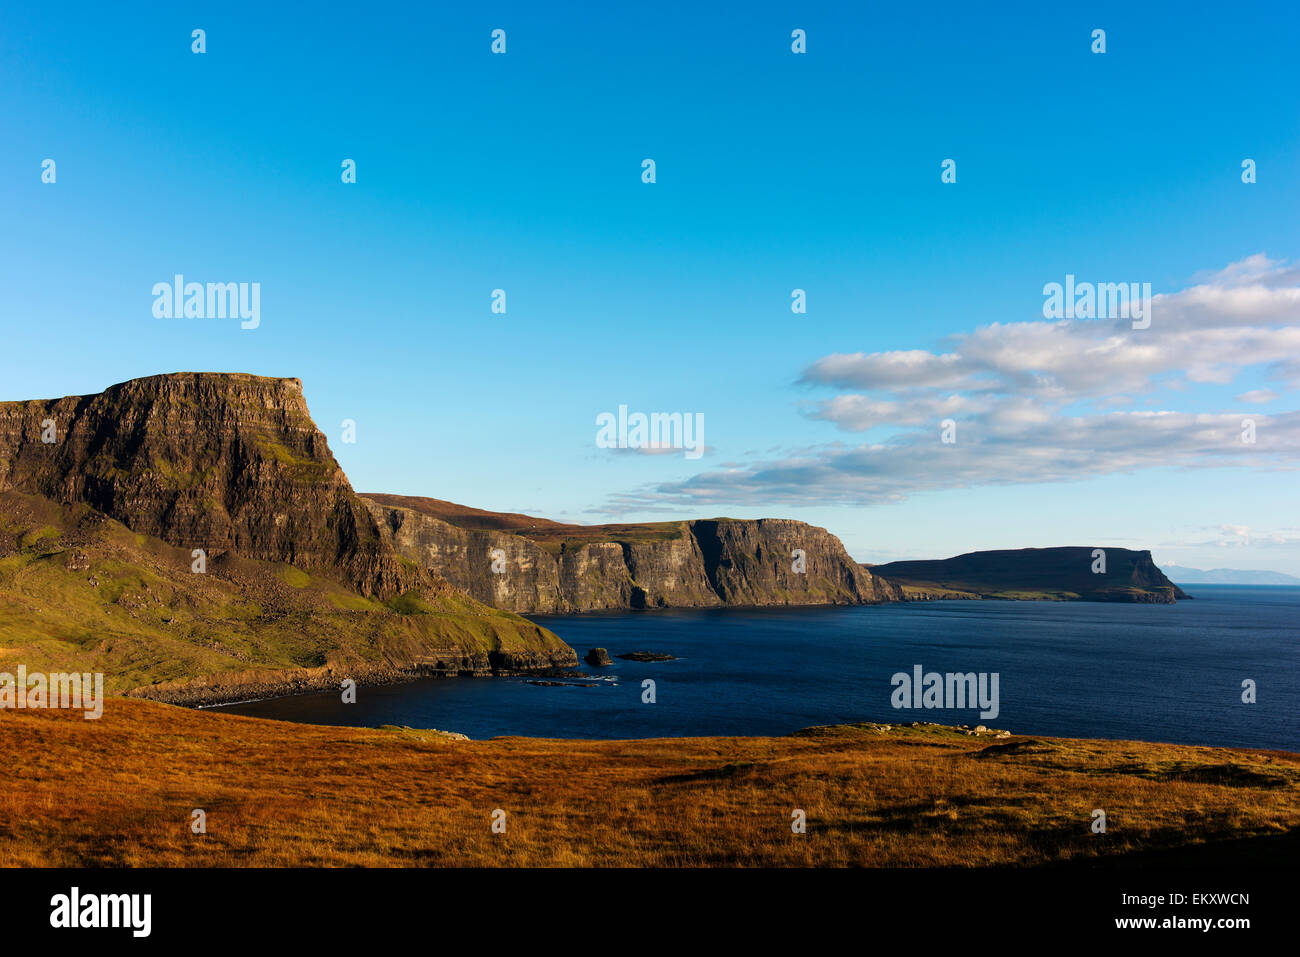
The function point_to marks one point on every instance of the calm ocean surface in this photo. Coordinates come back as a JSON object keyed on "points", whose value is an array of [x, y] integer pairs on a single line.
{"points": [[1147, 672]]}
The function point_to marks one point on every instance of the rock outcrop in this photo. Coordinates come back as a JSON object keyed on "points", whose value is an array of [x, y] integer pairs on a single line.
{"points": [[216, 461], [531, 565]]}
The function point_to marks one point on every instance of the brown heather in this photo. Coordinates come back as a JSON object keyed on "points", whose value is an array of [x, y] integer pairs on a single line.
{"points": [[119, 791]]}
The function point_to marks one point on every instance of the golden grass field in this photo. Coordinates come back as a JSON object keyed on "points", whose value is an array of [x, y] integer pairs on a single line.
{"points": [[119, 792]]}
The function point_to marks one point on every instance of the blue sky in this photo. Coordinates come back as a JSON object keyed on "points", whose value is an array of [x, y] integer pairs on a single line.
{"points": [[775, 171]]}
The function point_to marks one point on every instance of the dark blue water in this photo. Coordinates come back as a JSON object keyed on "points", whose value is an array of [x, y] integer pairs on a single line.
{"points": [[1146, 672]]}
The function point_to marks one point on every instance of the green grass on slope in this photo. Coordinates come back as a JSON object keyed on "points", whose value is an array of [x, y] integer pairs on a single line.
{"points": [[80, 592]]}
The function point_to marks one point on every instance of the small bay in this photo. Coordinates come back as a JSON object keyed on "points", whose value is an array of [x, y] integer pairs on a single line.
{"points": [[1072, 669]]}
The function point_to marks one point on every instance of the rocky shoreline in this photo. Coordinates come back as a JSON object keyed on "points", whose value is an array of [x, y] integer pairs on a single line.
{"points": [[238, 687], [228, 688]]}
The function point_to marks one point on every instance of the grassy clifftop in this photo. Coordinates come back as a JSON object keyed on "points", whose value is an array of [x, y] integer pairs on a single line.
{"points": [[553, 537]]}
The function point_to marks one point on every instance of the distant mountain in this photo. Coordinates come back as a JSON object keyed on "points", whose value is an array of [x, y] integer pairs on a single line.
{"points": [[1047, 574], [1229, 576]]}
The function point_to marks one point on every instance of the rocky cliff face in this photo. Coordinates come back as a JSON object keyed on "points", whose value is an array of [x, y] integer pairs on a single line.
{"points": [[221, 462], [697, 564], [104, 497]]}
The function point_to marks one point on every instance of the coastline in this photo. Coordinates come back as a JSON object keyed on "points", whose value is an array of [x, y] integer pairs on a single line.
{"points": [[221, 689], [243, 687], [712, 691]]}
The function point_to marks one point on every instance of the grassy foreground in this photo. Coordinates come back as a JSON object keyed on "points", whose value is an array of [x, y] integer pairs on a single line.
{"points": [[120, 791]]}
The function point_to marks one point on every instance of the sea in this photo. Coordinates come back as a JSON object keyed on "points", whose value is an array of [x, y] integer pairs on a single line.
{"points": [[1175, 673]]}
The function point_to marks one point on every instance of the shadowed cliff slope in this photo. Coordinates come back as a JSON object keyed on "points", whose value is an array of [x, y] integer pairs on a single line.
{"points": [[543, 566]]}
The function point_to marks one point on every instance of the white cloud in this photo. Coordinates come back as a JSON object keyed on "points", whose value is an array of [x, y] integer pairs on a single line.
{"points": [[1035, 402], [991, 451], [1204, 334]]}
